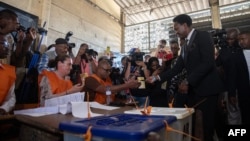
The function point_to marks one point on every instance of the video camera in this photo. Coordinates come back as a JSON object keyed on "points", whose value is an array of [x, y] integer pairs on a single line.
{"points": [[219, 37], [68, 35], [90, 52], [136, 56], [21, 28]]}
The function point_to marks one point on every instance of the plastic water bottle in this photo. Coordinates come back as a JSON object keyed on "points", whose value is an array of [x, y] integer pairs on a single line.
{"points": [[108, 95]]}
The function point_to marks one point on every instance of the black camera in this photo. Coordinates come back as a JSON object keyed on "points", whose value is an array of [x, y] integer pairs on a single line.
{"points": [[72, 45], [137, 56], [41, 31], [219, 37], [68, 35], [21, 28], [90, 52]]}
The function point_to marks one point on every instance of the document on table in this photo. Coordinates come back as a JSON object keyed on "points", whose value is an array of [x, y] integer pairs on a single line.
{"points": [[41, 111], [72, 103], [80, 110], [100, 106], [75, 97]]}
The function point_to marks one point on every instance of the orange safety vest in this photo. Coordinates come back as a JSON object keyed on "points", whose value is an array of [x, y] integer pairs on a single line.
{"points": [[8, 78], [57, 85], [100, 97]]}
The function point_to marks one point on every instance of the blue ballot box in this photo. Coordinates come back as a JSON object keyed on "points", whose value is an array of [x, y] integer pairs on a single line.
{"points": [[183, 123], [117, 127]]}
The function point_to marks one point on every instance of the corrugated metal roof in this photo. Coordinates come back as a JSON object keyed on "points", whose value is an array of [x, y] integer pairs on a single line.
{"points": [[140, 11]]}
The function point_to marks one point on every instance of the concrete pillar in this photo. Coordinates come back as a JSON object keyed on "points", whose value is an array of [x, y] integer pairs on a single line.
{"points": [[122, 19], [215, 14]]}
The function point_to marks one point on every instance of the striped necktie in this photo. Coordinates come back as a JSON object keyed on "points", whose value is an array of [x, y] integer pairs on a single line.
{"points": [[184, 47]]}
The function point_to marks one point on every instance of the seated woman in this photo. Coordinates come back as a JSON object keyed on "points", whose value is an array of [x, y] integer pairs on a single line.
{"points": [[57, 83]]}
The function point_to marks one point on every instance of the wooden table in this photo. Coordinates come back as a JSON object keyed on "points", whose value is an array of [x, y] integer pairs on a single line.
{"points": [[45, 128]]}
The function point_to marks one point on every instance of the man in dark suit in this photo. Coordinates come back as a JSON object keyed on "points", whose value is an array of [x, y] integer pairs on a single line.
{"points": [[239, 80], [203, 82]]}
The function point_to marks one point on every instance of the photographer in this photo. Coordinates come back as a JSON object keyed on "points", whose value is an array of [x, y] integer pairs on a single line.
{"points": [[84, 63], [47, 59], [9, 23], [71, 45], [22, 54], [136, 69], [227, 42]]}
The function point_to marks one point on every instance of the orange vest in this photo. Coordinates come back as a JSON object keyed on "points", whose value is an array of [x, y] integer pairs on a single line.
{"points": [[57, 84], [7, 77], [100, 97]]}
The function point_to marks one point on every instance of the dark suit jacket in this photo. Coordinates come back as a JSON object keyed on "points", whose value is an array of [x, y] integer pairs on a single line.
{"points": [[202, 75], [239, 76]]}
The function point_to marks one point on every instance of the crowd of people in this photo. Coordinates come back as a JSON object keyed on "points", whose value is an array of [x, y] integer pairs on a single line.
{"points": [[186, 74]]}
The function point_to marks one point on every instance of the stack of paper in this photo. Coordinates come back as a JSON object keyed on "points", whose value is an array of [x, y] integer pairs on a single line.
{"points": [[72, 103]]}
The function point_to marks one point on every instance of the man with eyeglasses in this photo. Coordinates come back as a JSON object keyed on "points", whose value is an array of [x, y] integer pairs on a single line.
{"points": [[99, 85]]}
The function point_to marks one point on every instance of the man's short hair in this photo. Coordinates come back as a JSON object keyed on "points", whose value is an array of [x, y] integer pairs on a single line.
{"points": [[103, 62], [183, 18], [163, 41], [174, 42], [8, 14], [247, 32]]}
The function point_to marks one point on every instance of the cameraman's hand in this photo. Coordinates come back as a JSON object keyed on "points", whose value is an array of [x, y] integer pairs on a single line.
{"points": [[20, 36], [89, 57], [32, 33], [128, 63]]}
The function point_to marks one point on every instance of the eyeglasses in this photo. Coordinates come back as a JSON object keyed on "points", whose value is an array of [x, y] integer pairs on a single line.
{"points": [[107, 70]]}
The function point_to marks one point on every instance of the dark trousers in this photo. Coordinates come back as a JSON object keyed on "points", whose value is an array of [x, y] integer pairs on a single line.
{"points": [[244, 104], [207, 110]]}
